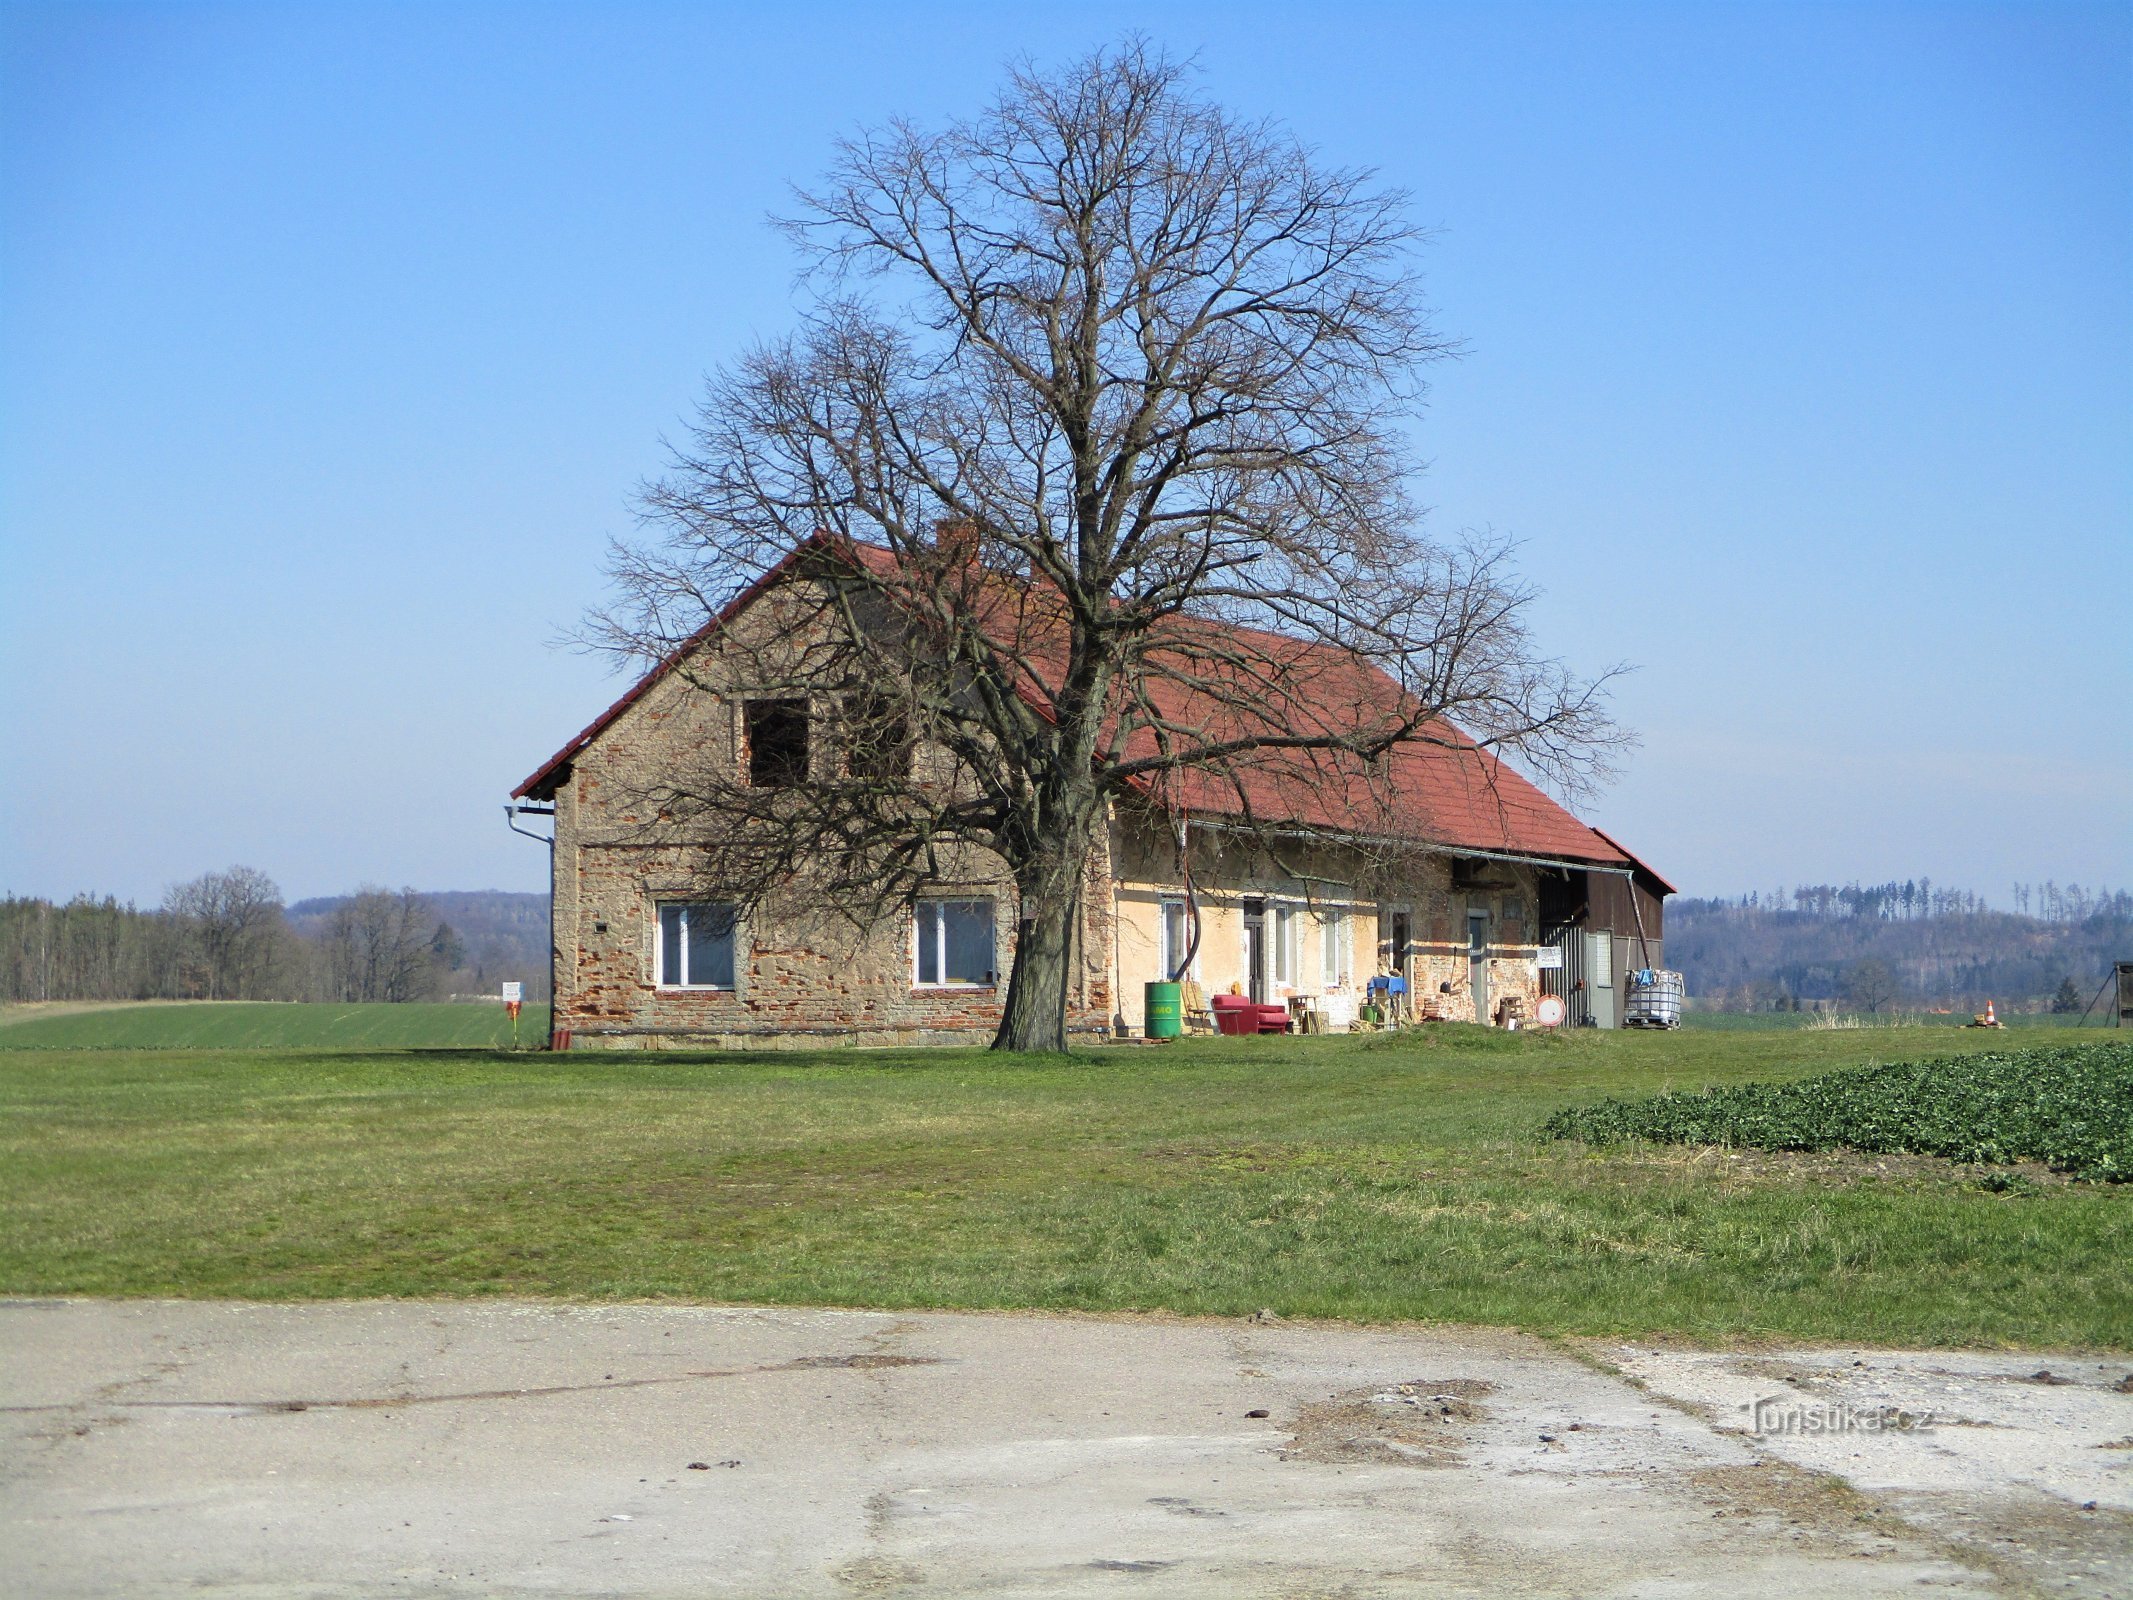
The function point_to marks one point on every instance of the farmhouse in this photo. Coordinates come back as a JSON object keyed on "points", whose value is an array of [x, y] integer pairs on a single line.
{"points": [[1476, 891]]}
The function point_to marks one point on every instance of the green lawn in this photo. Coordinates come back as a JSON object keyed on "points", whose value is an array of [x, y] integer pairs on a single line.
{"points": [[246, 1025], [1374, 1178]]}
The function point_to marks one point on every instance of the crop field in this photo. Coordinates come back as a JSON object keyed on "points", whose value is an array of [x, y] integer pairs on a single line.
{"points": [[263, 1025], [1791, 1021], [2069, 1107], [1374, 1178]]}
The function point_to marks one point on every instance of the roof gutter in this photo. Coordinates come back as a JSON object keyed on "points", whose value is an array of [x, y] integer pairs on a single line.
{"points": [[1536, 861], [1570, 863]]}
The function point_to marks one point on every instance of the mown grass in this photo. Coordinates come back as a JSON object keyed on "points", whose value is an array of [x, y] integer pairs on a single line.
{"points": [[281, 1025], [1375, 1178]]}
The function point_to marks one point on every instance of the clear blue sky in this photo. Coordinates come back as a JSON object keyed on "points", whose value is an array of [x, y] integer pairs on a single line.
{"points": [[334, 338]]}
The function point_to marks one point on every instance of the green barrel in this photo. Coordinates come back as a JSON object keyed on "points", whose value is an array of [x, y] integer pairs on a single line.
{"points": [[1164, 1009]]}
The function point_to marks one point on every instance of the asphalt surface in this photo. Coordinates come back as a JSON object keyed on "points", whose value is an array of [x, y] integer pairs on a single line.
{"points": [[161, 1448]]}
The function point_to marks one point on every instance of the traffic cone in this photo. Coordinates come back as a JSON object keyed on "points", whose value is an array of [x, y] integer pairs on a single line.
{"points": [[1992, 1017]]}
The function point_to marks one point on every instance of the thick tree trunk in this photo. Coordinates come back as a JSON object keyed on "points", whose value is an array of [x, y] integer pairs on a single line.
{"points": [[1034, 1017]]}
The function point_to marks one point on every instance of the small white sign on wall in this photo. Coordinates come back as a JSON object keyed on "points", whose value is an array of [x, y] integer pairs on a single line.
{"points": [[1551, 958], [514, 993]]}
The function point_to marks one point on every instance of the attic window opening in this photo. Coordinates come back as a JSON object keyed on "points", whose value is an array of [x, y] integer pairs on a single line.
{"points": [[777, 743]]}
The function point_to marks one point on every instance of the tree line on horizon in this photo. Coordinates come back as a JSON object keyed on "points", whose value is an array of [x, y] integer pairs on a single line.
{"points": [[1916, 898], [1910, 945], [1869, 948], [229, 936]]}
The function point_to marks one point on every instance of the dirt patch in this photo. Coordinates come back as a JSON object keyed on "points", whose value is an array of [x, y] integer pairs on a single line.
{"points": [[1793, 1374], [1801, 1168], [1425, 1423], [878, 1574], [2036, 1543], [859, 1363], [1794, 1495]]}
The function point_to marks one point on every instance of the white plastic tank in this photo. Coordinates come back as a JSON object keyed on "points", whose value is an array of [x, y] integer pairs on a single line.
{"points": [[1654, 999]]}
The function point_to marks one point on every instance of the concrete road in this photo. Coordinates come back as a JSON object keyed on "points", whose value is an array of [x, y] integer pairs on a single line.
{"points": [[155, 1448]]}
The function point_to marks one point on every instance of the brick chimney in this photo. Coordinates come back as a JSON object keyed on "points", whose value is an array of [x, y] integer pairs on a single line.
{"points": [[957, 540]]}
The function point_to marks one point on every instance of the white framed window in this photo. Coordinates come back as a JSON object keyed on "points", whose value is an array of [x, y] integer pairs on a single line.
{"points": [[694, 946], [1177, 937], [952, 944], [1333, 945], [1284, 920]]}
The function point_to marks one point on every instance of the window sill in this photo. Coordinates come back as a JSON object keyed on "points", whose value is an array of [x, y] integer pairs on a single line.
{"points": [[694, 988], [955, 988]]}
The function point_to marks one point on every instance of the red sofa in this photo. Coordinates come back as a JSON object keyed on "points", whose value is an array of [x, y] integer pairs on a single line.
{"points": [[1239, 1014]]}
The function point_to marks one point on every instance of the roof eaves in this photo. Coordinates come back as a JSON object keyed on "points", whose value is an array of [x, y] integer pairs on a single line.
{"points": [[1636, 861], [548, 776]]}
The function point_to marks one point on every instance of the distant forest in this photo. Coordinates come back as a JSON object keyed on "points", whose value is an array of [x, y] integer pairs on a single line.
{"points": [[1893, 946], [228, 936], [1908, 946]]}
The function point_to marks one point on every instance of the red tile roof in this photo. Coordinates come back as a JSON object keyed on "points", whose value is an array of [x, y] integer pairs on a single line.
{"points": [[1448, 792]]}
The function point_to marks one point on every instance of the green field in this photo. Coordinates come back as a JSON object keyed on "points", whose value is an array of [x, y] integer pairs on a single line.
{"points": [[1789, 1021], [1368, 1178], [278, 1025], [2068, 1106]]}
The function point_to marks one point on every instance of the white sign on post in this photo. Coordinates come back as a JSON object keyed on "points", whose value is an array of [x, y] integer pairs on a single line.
{"points": [[1551, 958], [512, 994]]}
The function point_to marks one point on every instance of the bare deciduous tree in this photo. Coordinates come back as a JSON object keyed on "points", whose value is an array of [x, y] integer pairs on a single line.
{"points": [[1870, 985], [230, 926], [1097, 425], [380, 945]]}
